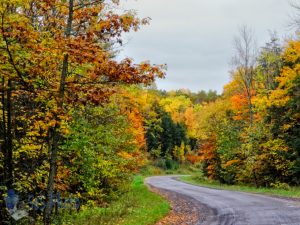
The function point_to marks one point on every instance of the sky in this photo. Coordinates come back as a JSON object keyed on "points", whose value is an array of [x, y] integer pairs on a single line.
{"points": [[195, 37]]}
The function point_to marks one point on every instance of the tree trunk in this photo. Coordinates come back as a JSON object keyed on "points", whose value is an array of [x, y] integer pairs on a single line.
{"points": [[3, 133], [9, 143], [54, 135], [52, 145], [250, 108]]}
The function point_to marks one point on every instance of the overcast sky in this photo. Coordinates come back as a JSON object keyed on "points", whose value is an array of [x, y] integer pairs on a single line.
{"points": [[195, 37]]}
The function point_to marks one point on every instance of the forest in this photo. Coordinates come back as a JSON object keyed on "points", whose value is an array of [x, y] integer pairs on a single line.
{"points": [[75, 120]]}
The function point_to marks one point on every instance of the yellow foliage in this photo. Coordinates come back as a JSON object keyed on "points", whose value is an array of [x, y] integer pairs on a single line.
{"points": [[281, 95]]}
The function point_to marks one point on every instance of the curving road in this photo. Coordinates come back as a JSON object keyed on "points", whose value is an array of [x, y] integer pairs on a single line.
{"points": [[233, 208]]}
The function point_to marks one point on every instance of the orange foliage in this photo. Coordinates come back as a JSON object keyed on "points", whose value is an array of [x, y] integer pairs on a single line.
{"points": [[240, 105], [130, 107], [137, 129], [193, 158], [209, 156], [229, 163]]}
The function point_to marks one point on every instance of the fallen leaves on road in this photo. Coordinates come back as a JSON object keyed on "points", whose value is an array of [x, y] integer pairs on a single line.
{"points": [[183, 209]]}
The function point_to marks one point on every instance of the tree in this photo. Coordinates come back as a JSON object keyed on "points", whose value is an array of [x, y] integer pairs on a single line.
{"points": [[268, 69], [244, 62], [153, 125], [283, 107], [100, 152], [176, 106], [269, 64], [295, 22], [80, 71]]}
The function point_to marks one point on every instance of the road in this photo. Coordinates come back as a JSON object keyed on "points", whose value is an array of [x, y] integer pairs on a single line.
{"points": [[233, 208]]}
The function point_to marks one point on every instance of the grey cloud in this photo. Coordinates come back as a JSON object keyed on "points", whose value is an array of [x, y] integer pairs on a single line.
{"points": [[194, 37]]}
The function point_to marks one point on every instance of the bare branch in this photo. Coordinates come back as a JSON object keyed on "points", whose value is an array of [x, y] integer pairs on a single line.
{"points": [[244, 62], [295, 18]]}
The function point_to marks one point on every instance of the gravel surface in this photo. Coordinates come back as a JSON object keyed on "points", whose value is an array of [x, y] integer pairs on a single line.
{"points": [[184, 210], [205, 206]]}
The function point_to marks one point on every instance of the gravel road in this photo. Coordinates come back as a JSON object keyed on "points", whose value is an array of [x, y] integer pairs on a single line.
{"points": [[222, 207]]}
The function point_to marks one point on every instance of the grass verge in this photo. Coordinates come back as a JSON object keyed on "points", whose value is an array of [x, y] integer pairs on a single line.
{"points": [[137, 207], [293, 192]]}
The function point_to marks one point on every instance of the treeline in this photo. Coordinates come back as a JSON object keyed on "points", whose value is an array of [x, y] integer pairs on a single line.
{"points": [[168, 123], [251, 134]]}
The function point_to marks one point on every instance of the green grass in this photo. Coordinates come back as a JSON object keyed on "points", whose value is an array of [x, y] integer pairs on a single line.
{"points": [[137, 207], [289, 192], [150, 207]]}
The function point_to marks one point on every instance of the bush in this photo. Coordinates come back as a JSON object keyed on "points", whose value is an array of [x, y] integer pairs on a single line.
{"points": [[279, 185], [161, 163], [171, 164], [151, 170], [166, 164]]}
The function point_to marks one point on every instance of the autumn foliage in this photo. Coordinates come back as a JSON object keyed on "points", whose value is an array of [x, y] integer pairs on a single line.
{"points": [[57, 58], [76, 120]]}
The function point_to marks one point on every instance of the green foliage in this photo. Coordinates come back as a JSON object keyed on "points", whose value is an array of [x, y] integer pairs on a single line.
{"points": [[164, 137], [252, 135], [151, 170], [279, 185], [94, 151], [199, 97], [166, 164], [42, 85], [269, 65], [61, 129]]}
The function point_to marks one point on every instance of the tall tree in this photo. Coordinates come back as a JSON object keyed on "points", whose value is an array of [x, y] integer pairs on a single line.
{"points": [[269, 63], [284, 107], [244, 62], [60, 53]]}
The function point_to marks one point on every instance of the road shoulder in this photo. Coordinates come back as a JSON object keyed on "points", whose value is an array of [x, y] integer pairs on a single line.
{"points": [[184, 209]]}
